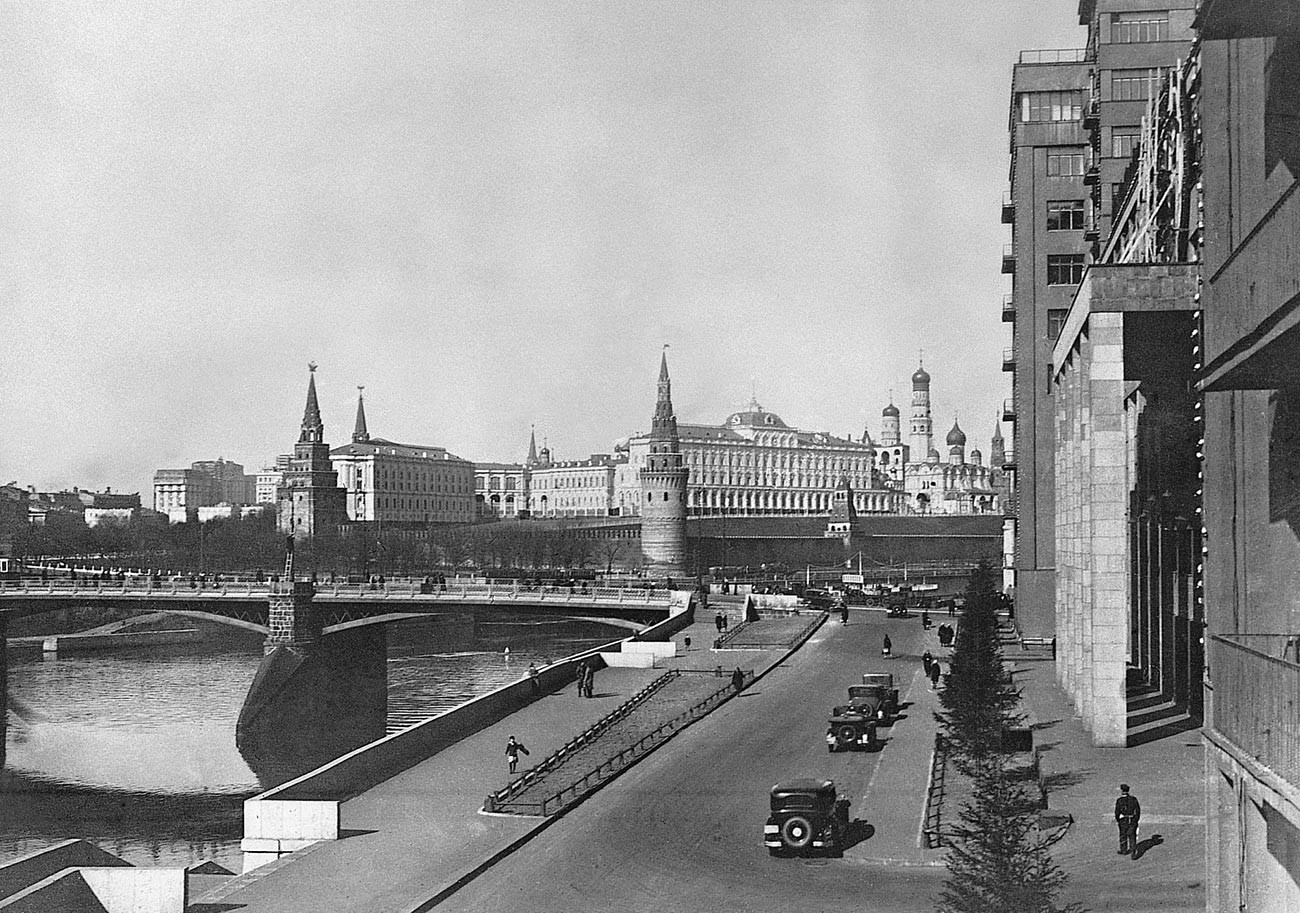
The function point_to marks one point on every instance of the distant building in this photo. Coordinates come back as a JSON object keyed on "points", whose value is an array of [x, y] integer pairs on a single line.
{"points": [[179, 493], [405, 483], [270, 478]]}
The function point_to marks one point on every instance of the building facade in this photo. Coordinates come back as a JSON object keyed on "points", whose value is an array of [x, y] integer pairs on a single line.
{"points": [[1076, 120], [1250, 332], [388, 482]]}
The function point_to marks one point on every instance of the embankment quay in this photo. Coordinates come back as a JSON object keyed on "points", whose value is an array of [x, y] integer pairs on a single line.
{"points": [[682, 829]]}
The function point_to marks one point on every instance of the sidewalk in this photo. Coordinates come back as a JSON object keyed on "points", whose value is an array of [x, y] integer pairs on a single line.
{"points": [[1083, 781], [416, 836]]}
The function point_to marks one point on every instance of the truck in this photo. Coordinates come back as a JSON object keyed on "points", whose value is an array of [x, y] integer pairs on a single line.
{"points": [[807, 815]]}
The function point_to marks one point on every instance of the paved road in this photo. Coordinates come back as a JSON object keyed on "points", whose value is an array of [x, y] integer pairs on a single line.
{"points": [[683, 830]]}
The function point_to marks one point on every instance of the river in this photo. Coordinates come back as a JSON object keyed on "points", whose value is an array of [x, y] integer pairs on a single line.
{"points": [[135, 749]]}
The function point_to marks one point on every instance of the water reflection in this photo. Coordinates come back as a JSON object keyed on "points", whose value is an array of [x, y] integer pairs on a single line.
{"points": [[136, 750]]}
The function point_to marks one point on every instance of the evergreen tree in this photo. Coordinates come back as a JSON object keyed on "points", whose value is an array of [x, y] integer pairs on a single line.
{"points": [[1003, 865], [978, 700]]}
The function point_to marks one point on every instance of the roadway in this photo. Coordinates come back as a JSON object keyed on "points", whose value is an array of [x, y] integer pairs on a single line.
{"points": [[683, 829]]}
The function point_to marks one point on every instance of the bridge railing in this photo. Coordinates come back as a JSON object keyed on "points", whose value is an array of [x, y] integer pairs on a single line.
{"points": [[187, 587]]}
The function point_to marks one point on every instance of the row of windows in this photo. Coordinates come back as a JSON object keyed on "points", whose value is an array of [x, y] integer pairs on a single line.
{"points": [[1064, 215], [1041, 107], [1064, 269], [1134, 28], [1065, 164], [1134, 85]]}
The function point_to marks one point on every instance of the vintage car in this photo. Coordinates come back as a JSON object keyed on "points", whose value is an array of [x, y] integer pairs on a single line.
{"points": [[849, 729], [807, 816], [883, 682]]}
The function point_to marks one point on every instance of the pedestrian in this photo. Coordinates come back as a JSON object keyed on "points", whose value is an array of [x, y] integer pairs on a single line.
{"points": [[927, 661], [952, 608], [887, 648], [844, 613], [726, 622], [591, 678], [1127, 813], [925, 619], [512, 752], [582, 678], [717, 622], [687, 641], [737, 680], [535, 677], [934, 676]]}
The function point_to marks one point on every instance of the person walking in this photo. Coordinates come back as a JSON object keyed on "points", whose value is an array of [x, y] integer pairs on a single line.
{"points": [[934, 676], [513, 749], [717, 622], [1127, 813], [536, 678], [582, 678], [738, 680], [927, 660], [590, 679], [887, 648], [726, 622]]}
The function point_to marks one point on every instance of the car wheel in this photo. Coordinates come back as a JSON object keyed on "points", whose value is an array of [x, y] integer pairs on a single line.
{"points": [[796, 832]]}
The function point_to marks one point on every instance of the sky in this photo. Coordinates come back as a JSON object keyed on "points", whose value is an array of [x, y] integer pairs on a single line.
{"points": [[493, 216]]}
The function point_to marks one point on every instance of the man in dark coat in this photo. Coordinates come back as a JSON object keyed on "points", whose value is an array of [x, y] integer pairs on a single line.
{"points": [[1127, 813], [513, 749], [738, 679]]}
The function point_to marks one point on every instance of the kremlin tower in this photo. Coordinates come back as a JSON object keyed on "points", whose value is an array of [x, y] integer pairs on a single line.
{"points": [[309, 501], [663, 489], [922, 426]]}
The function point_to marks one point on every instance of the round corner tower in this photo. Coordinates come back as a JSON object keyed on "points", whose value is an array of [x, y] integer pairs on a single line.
{"points": [[663, 489]]}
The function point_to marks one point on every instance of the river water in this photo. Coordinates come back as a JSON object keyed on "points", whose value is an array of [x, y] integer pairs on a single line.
{"points": [[135, 749]]}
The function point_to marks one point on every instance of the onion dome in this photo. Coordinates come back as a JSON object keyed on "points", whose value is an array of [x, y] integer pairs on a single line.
{"points": [[932, 456], [921, 378], [956, 437], [891, 410]]}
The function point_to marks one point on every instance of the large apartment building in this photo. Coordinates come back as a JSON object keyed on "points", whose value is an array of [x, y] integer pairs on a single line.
{"points": [[1075, 119]]}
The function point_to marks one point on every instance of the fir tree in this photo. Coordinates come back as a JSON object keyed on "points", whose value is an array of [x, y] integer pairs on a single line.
{"points": [[1003, 864], [978, 700]]}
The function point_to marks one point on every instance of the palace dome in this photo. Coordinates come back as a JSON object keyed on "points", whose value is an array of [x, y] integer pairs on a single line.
{"points": [[755, 416], [956, 437]]}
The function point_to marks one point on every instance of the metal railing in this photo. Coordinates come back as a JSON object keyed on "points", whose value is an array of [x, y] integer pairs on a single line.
{"points": [[1257, 697], [761, 641], [1055, 55], [932, 828], [610, 767], [185, 587]]}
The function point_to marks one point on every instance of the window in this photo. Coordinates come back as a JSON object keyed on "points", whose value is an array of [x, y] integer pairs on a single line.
{"points": [[1147, 25], [1064, 269], [1123, 140], [1037, 107], [1065, 215], [1065, 164], [1055, 322], [1133, 85]]}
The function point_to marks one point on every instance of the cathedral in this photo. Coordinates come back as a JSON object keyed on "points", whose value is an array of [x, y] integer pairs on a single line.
{"points": [[958, 483]]}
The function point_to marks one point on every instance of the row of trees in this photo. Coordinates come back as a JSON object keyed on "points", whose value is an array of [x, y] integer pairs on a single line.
{"points": [[252, 543], [1001, 861]]}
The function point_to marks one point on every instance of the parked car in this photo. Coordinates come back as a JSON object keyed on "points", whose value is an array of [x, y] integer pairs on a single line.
{"points": [[850, 729], [806, 816]]}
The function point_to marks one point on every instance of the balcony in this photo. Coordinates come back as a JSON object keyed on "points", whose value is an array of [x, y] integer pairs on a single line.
{"points": [[1008, 410], [1008, 309], [1008, 359], [1009, 258], [1256, 692], [1008, 209], [1093, 174], [1055, 55]]}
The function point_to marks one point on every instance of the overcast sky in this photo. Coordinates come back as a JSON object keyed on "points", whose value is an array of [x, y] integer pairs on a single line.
{"points": [[493, 215]]}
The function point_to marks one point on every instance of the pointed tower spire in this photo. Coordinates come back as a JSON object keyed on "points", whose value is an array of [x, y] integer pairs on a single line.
{"points": [[313, 429], [532, 446], [664, 423], [359, 433]]}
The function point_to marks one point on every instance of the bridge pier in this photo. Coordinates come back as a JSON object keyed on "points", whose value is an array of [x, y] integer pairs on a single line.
{"points": [[314, 697]]}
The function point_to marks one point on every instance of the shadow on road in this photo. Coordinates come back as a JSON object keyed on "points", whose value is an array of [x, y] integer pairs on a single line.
{"points": [[1153, 841], [859, 832]]}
